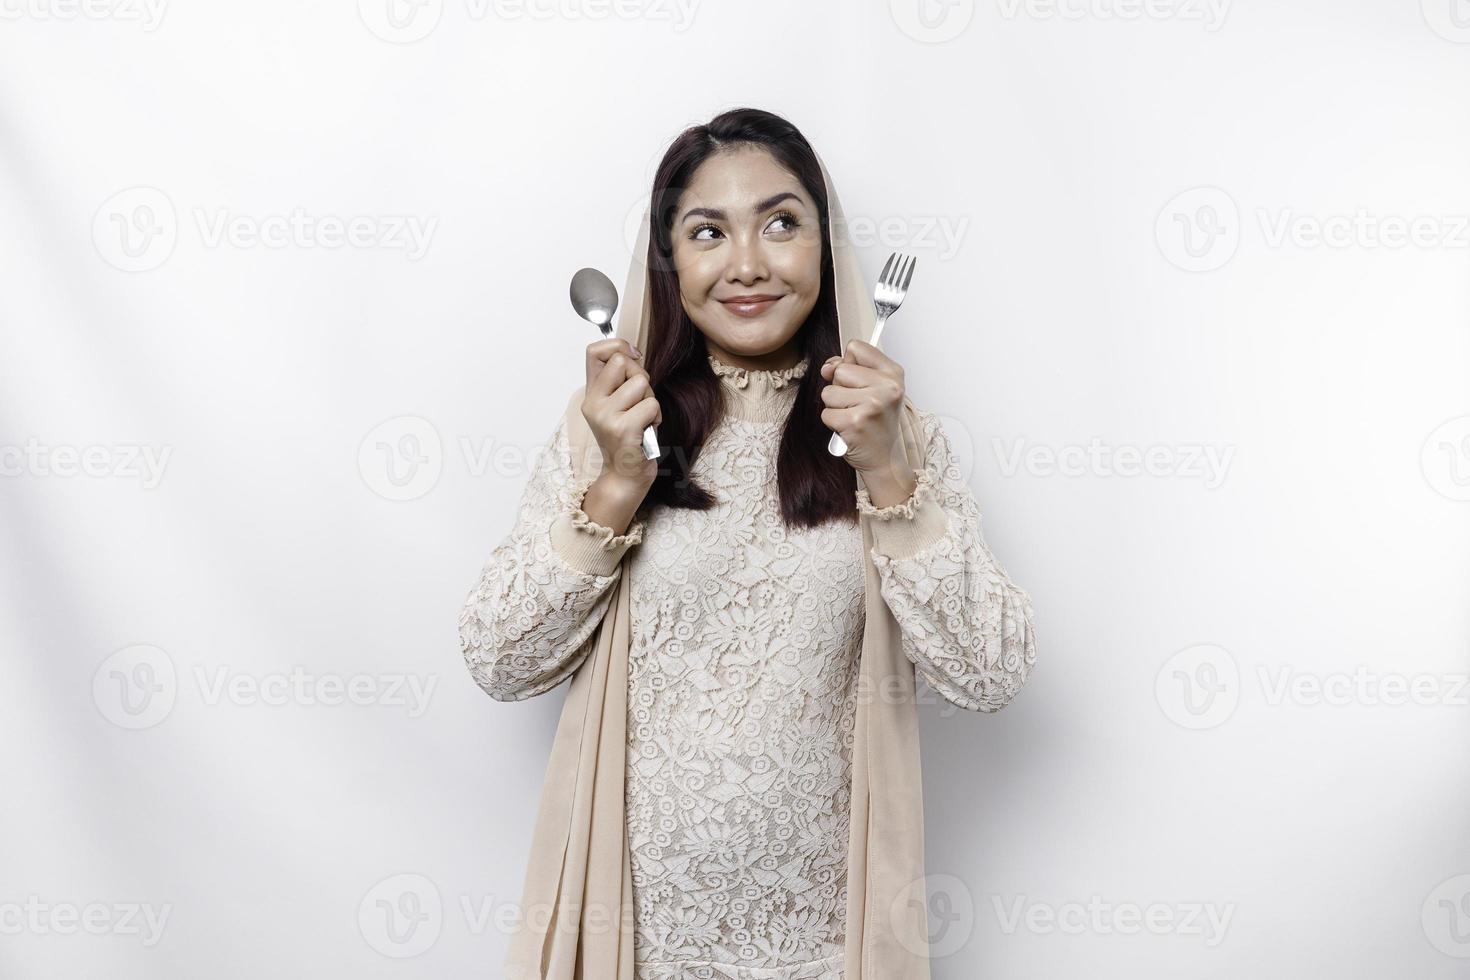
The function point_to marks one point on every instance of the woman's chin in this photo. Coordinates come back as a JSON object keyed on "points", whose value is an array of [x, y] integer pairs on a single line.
{"points": [[754, 336]]}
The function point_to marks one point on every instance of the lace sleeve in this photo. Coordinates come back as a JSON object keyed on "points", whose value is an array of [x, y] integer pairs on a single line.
{"points": [[965, 626], [529, 621]]}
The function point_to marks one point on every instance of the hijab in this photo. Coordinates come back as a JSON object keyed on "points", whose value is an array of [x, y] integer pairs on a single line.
{"points": [[578, 899]]}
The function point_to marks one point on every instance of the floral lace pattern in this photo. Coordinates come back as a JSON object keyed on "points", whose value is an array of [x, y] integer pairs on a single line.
{"points": [[742, 698], [965, 625], [529, 620], [743, 677]]}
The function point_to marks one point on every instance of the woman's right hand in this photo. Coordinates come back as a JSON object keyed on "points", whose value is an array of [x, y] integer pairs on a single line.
{"points": [[618, 405]]}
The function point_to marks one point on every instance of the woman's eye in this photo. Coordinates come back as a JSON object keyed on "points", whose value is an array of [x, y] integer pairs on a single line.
{"points": [[787, 219], [784, 222]]}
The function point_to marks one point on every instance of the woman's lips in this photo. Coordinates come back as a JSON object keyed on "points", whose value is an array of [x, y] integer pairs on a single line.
{"points": [[750, 307]]}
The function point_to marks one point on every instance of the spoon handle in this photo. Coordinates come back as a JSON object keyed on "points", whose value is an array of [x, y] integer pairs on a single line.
{"points": [[650, 438]]}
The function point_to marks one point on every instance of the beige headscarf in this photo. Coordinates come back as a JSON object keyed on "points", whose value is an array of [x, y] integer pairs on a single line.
{"points": [[578, 899]]}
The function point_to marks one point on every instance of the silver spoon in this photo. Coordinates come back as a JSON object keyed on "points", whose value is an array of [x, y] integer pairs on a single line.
{"points": [[893, 285], [594, 297]]}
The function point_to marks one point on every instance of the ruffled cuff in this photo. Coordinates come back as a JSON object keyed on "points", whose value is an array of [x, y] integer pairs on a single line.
{"points": [[586, 545], [904, 529]]}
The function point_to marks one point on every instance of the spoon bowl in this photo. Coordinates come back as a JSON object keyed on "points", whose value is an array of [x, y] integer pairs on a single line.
{"points": [[595, 299]]}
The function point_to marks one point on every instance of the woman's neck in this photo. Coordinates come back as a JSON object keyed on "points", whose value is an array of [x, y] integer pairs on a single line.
{"points": [[784, 358]]}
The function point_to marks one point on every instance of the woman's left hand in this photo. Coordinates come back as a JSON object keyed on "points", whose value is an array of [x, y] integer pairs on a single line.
{"points": [[864, 402]]}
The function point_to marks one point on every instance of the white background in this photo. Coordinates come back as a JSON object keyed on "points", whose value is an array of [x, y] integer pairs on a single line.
{"points": [[1113, 208]]}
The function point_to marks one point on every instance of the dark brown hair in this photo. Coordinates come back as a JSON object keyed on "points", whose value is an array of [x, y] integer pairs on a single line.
{"points": [[815, 486]]}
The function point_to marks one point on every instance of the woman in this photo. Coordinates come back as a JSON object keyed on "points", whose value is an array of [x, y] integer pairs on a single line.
{"points": [[721, 765]]}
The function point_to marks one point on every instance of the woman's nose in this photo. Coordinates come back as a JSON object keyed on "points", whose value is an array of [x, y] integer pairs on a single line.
{"points": [[747, 261]]}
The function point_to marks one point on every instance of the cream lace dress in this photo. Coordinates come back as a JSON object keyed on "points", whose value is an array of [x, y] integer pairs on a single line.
{"points": [[742, 674]]}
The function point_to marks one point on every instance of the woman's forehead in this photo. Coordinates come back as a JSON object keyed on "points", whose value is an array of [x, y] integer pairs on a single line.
{"points": [[742, 184]]}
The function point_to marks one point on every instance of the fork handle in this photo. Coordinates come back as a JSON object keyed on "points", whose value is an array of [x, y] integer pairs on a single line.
{"points": [[837, 446], [878, 329], [650, 443]]}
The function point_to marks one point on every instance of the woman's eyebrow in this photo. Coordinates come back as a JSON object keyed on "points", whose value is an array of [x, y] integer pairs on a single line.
{"points": [[717, 214]]}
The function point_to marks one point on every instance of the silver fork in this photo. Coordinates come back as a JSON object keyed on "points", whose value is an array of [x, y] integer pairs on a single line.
{"points": [[893, 285]]}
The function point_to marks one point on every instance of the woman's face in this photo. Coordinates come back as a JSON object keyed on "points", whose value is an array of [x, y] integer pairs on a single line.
{"points": [[746, 229]]}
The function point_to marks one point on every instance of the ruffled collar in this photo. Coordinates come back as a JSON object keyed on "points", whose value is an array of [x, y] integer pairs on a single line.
{"points": [[741, 377], [757, 396]]}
